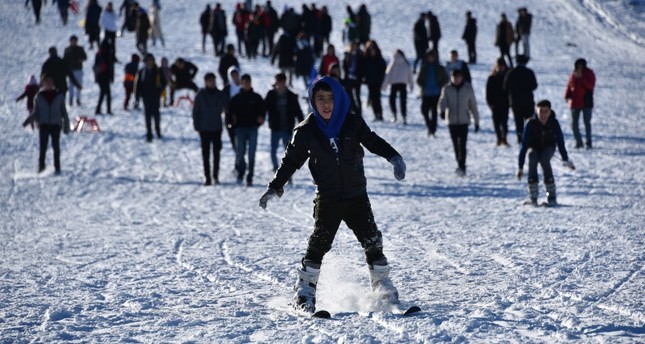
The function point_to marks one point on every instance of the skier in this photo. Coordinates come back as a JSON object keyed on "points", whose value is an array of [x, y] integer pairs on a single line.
{"points": [[457, 104], [207, 121], [541, 134], [399, 75], [341, 188], [31, 89], [579, 94], [51, 115]]}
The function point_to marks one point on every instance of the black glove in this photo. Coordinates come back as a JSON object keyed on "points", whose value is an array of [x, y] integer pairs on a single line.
{"points": [[476, 128], [399, 167], [270, 194]]}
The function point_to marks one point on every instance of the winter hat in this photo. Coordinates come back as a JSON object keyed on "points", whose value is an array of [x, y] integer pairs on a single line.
{"points": [[32, 80], [331, 129]]}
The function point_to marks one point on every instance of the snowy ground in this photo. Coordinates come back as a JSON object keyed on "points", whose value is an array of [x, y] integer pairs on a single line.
{"points": [[127, 246]]}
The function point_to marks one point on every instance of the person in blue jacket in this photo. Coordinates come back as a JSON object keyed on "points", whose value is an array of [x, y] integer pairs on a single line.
{"points": [[332, 139], [541, 134]]}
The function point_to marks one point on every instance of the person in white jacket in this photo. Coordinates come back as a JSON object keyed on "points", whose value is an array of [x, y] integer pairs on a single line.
{"points": [[155, 25], [457, 104], [399, 76], [108, 23]]}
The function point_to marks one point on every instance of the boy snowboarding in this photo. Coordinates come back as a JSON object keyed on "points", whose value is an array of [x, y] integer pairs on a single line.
{"points": [[541, 134], [331, 138]]}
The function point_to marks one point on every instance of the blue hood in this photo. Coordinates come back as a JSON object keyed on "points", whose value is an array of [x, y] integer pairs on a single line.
{"points": [[331, 129]]}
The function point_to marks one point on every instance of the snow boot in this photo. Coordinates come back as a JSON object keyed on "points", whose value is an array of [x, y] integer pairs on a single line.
{"points": [[550, 194], [381, 282], [305, 297], [533, 194]]}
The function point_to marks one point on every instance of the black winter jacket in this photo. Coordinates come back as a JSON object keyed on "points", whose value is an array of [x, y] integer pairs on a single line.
{"points": [[339, 176], [293, 111], [247, 109], [520, 83]]}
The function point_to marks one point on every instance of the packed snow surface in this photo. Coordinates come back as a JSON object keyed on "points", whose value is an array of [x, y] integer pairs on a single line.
{"points": [[128, 246]]}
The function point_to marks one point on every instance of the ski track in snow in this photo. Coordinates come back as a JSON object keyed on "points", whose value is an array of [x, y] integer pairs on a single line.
{"points": [[127, 246]]}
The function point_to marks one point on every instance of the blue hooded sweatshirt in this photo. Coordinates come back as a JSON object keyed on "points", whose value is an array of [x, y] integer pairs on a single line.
{"points": [[331, 129]]}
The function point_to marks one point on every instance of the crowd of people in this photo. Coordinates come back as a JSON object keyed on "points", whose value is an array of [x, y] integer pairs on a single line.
{"points": [[334, 99], [298, 44]]}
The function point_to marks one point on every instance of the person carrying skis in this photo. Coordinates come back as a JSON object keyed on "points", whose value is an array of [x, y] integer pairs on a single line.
{"points": [[336, 166], [541, 134]]}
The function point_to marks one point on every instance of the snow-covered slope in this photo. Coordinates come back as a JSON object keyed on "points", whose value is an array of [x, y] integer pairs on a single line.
{"points": [[127, 246]]}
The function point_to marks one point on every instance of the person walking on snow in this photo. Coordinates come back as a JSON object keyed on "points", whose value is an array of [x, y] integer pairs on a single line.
{"points": [[74, 55], [31, 89], [470, 36], [541, 134], [398, 75], [331, 138], [431, 79], [207, 121], [51, 115], [520, 83], [149, 84], [579, 94], [457, 104], [497, 100]]}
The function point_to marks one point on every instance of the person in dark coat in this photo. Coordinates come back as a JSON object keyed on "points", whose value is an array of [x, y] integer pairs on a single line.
{"points": [[218, 29], [497, 99], [183, 74], [129, 8], [129, 75], [149, 84], [579, 95], [304, 58], [252, 35], [74, 55], [541, 135], [332, 138], [520, 83], [374, 75], [470, 36], [247, 109], [56, 68], [205, 24], [284, 110], [104, 75], [523, 31], [353, 69], [210, 103], [431, 79], [421, 45], [284, 52], [92, 27], [290, 22], [364, 24], [504, 37], [227, 61], [272, 23], [63, 9], [30, 91], [435, 31], [143, 27], [51, 115], [36, 5], [240, 19], [325, 25]]}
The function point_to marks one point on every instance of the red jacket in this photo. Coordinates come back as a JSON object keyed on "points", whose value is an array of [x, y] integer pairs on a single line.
{"points": [[578, 87]]}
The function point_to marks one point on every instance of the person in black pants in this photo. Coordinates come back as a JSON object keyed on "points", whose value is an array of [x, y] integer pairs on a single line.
{"points": [[520, 83], [497, 100], [336, 165], [207, 121], [470, 35], [432, 77], [149, 84], [104, 74]]}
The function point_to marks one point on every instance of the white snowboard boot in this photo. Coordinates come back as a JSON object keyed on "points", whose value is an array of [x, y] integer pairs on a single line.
{"points": [[381, 282], [305, 297]]}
